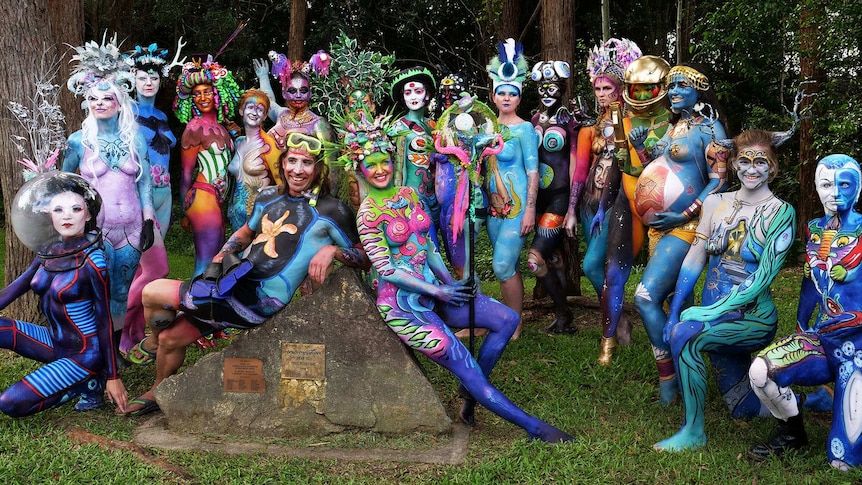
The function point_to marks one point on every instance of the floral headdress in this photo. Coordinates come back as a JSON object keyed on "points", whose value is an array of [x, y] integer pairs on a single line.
{"points": [[283, 68], [99, 64], [611, 59], [359, 137], [509, 67], [153, 58], [226, 91]]}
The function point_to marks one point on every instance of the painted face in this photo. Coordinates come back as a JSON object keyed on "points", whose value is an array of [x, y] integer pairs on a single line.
{"points": [[299, 171], [69, 214], [377, 170], [253, 113], [644, 92], [448, 96], [507, 98], [297, 94], [550, 93], [103, 104], [682, 94], [147, 83], [601, 176], [606, 91], [838, 188], [415, 95], [203, 97], [752, 166]]}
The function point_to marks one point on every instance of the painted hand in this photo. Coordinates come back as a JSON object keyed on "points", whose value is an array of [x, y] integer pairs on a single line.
{"points": [[598, 222], [261, 67], [665, 221], [456, 294], [148, 235], [571, 224], [637, 136]]}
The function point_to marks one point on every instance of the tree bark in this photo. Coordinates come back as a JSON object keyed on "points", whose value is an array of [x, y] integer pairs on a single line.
{"points": [[809, 203], [296, 39], [28, 29], [558, 44]]}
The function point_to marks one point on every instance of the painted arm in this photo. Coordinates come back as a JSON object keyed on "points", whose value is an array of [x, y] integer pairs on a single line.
{"points": [[530, 153], [377, 248], [73, 154], [145, 181], [779, 232], [261, 70], [236, 243], [579, 168], [20, 286]]}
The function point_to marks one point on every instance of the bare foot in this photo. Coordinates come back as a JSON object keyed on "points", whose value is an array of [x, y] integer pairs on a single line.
{"points": [[517, 333], [624, 331], [465, 333]]}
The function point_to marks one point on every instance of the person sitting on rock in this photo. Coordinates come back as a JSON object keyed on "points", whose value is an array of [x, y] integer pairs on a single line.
{"points": [[295, 229]]}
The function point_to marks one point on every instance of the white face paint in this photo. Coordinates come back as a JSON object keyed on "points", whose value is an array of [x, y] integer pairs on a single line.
{"points": [[69, 214], [415, 95], [752, 167], [253, 113], [147, 83], [837, 188]]}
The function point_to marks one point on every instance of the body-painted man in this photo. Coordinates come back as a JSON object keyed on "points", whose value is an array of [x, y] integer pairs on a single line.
{"points": [[206, 97], [416, 295], [686, 166], [557, 131], [825, 347], [255, 163], [294, 231], [743, 238]]}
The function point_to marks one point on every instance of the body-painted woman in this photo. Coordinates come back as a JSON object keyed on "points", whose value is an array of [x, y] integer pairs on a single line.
{"points": [[826, 347], [645, 95], [55, 215], [512, 176], [110, 153], [687, 166], [295, 77], [255, 163], [557, 131], [743, 238], [594, 154], [151, 65], [416, 295], [206, 97]]}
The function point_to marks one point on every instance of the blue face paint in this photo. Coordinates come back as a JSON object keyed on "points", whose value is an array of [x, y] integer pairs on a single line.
{"points": [[681, 93], [846, 188], [507, 89]]}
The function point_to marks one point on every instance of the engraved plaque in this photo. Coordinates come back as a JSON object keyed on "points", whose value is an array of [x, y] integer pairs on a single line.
{"points": [[303, 361], [243, 375]]}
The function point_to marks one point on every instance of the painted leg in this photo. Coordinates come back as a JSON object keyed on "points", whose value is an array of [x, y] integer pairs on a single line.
{"points": [[207, 224], [153, 265]]}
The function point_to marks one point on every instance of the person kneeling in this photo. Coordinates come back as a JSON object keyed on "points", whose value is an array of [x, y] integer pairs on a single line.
{"points": [[295, 229]]}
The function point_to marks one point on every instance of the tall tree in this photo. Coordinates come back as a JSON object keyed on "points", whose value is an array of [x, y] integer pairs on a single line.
{"points": [[809, 204], [29, 30], [296, 41]]}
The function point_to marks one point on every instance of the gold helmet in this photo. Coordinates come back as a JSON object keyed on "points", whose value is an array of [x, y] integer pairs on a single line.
{"points": [[646, 70]]}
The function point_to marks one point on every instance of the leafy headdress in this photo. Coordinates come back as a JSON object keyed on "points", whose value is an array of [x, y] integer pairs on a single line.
{"points": [[226, 91], [100, 64], [509, 67]]}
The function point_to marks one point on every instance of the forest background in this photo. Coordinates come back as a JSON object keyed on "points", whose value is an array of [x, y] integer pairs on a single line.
{"points": [[757, 52]]}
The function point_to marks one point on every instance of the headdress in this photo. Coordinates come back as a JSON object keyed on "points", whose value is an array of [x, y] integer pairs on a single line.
{"points": [[359, 138], [509, 67], [98, 64], [611, 59], [451, 86], [351, 70], [283, 68], [695, 78], [550, 71], [153, 58], [226, 92], [417, 73]]}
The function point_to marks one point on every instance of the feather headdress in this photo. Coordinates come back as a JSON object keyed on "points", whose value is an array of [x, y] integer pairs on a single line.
{"points": [[611, 59], [153, 58], [509, 67], [283, 68], [99, 63]]}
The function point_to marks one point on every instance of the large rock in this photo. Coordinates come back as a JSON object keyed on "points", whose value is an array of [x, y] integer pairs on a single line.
{"points": [[329, 363]]}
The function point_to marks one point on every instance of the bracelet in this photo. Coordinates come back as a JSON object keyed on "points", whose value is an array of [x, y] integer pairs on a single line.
{"points": [[692, 210]]}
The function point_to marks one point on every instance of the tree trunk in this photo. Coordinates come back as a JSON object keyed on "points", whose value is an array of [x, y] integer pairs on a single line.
{"points": [[28, 29], [558, 44], [809, 203], [296, 40], [510, 22]]}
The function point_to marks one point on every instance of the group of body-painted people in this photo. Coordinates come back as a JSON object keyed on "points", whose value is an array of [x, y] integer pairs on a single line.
{"points": [[652, 168]]}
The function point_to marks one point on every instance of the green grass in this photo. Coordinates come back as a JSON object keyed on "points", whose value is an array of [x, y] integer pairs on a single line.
{"points": [[608, 409]]}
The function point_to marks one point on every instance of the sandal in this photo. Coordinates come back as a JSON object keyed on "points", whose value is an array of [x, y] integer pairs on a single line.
{"points": [[139, 355], [148, 406]]}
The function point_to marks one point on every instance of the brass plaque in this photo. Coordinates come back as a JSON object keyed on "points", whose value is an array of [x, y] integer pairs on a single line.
{"points": [[303, 361], [243, 375]]}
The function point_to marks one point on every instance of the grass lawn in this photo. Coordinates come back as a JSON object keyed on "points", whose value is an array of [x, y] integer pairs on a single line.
{"points": [[610, 410]]}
